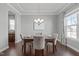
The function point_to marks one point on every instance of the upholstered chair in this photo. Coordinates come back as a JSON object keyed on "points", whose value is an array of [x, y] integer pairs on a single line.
{"points": [[39, 44]]}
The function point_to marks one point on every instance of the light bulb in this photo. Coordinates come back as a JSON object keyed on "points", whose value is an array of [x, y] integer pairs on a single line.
{"points": [[38, 19], [34, 20], [41, 20]]}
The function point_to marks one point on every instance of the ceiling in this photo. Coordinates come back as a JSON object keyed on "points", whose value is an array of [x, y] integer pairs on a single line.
{"points": [[40, 8]]}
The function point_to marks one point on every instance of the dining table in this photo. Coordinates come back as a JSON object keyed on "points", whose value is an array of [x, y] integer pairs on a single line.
{"points": [[30, 39]]}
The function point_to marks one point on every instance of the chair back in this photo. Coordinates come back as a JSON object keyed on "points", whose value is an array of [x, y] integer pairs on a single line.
{"points": [[21, 36], [38, 42], [56, 38]]}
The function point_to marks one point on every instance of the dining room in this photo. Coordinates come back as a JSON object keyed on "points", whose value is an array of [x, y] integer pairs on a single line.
{"points": [[41, 29], [41, 25]]}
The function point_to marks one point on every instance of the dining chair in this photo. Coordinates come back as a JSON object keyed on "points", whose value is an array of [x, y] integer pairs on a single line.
{"points": [[55, 42], [39, 45], [30, 43], [22, 43], [55, 37]]}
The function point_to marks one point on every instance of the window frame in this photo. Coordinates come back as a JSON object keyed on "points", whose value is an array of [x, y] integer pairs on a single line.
{"points": [[11, 24], [65, 26]]}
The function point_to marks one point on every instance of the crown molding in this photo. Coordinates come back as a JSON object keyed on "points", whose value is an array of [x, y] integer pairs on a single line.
{"points": [[63, 9], [42, 12], [67, 7], [20, 7], [14, 8], [39, 13]]}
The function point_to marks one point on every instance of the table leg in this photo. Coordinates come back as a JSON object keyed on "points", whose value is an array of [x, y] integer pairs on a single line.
{"points": [[53, 48], [24, 47], [46, 48], [30, 49]]}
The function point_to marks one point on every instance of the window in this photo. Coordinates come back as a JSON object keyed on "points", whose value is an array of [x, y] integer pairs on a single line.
{"points": [[12, 24], [70, 26]]}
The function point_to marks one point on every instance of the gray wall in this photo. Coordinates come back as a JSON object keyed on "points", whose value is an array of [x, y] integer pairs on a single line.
{"points": [[27, 24], [72, 43], [17, 28], [3, 27], [17, 23], [4, 8], [60, 24]]}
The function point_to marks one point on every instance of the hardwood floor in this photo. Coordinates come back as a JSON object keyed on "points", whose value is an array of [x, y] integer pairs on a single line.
{"points": [[16, 50]]}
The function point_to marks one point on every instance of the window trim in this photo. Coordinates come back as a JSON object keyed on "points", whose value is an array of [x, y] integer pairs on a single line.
{"points": [[65, 26], [12, 25]]}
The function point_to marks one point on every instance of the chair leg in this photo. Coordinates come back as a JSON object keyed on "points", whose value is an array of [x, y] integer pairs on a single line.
{"points": [[22, 49], [32, 44], [43, 52], [47, 49], [30, 49], [39, 52], [55, 48]]}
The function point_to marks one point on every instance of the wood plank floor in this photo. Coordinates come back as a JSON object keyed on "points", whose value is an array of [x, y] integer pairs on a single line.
{"points": [[16, 50]]}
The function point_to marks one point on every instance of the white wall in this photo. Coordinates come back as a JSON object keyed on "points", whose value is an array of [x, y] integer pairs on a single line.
{"points": [[27, 24], [18, 28], [4, 8], [17, 23], [3, 27], [70, 42], [60, 27]]}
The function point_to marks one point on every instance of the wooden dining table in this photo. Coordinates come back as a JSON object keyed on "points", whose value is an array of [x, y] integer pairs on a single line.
{"points": [[50, 40], [27, 40], [30, 39]]}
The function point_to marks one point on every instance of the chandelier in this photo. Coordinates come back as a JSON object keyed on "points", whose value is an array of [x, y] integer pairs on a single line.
{"points": [[38, 21]]}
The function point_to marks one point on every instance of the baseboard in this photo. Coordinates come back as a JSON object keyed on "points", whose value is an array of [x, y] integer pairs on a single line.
{"points": [[4, 49], [77, 50], [18, 41]]}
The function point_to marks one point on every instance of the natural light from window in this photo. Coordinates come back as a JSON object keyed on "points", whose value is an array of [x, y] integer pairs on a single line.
{"points": [[70, 25], [12, 24]]}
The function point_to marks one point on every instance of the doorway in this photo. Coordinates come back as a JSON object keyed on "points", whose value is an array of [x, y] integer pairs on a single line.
{"points": [[11, 27]]}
